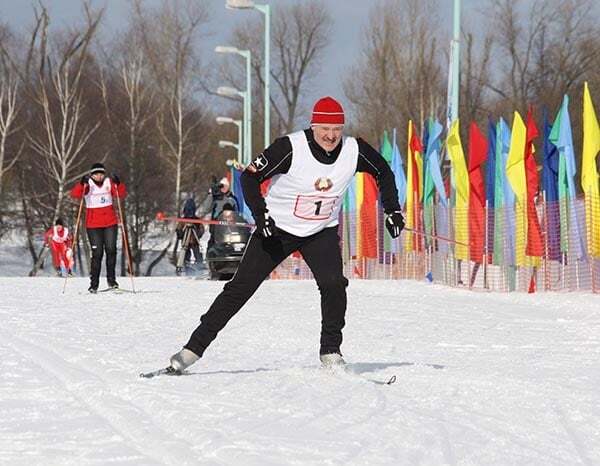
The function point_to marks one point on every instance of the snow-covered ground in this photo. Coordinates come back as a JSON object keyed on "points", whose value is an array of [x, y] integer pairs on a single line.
{"points": [[481, 378]]}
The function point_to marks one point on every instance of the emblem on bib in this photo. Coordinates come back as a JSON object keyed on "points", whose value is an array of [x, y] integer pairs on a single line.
{"points": [[323, 184]]}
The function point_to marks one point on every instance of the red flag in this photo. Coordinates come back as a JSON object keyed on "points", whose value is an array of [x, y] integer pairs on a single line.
{"points": [[416, 146], [535, 240], [477, 155], [368, 217]]}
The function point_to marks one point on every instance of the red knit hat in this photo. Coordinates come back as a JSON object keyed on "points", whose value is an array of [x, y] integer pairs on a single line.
{"points": [[327, 111]]}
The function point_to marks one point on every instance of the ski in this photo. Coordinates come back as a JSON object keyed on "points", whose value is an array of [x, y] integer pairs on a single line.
{"points": [[116, 290], [389, 381], [165, 371], [346, 370]]}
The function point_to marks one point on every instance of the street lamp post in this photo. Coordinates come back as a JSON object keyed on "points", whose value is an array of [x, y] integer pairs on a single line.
{"points": [[221, 121], [224, 144], [231, 92], [248, 101], [266, 10]]}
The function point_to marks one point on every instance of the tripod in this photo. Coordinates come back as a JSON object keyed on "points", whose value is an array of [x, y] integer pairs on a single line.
{"points": [[189, 243]]}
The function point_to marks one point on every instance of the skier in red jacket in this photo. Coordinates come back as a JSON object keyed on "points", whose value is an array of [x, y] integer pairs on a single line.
{"points": [[58, 238], [101, 220]]}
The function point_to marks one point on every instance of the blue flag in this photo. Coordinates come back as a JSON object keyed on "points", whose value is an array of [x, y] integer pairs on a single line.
{"points": [[565, 147], [490, 182], [398, 170], [434, 149], [507, 193], [550, 170]]}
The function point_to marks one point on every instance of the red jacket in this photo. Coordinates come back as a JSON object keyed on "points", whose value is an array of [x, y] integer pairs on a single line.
{"points": [[95, 216], [48, 236]]}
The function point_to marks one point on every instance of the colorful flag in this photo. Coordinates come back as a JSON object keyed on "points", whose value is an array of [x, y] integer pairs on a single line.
{"points": [[414, 189], [535, 241], [398, 170], [550, 189], [350, 221], [562, 137], [490, 178], [400, 178], [477, 155], [461, 180], [368, 217], [589, 172], [515, 172], [503, 200], [432, 176], [384, 240]]}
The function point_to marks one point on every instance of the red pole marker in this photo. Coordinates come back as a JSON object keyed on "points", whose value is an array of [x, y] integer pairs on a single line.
{"points": [[441, 238], [160, 216]]}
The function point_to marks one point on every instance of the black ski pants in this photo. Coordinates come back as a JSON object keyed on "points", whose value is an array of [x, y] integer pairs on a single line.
{"points": [[102, 239], [321, 252]]}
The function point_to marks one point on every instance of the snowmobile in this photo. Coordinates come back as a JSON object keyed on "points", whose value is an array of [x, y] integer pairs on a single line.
{"points": [[226, 246]]}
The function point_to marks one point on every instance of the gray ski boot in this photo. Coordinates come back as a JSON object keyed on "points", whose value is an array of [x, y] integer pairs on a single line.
{"points": [[184, 359], [332, 360]]}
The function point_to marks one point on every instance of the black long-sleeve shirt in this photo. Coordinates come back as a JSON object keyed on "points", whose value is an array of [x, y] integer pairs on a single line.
{"points": [[277, 159]]}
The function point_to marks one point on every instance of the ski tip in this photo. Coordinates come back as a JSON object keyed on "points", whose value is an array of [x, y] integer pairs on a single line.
{"points": [[391, 381]]}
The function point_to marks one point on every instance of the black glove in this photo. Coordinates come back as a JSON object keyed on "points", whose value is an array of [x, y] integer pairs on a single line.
{"points": [[115, 179], [394, 223], [84, 179], [265, 225]]}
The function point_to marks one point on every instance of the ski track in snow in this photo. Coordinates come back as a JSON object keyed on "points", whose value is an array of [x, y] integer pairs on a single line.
{"points": [[481, 378]]}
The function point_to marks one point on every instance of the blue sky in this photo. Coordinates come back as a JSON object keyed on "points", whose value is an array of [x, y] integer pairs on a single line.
{"points": [[350, 19]]}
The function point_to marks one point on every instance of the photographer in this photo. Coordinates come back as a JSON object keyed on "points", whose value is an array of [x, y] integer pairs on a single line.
{"points": [[219, 195], [189, 235]]}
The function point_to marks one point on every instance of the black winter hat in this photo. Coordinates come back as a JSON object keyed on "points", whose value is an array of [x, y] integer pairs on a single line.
{"points": [[97, 168]]}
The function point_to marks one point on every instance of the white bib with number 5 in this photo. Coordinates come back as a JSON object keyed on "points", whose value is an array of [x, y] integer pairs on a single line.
{"points": [[294, 201]]}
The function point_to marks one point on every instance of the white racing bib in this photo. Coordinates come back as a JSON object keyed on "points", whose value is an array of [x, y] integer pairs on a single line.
{"points": [[57, 238], [308, 198], [98, 196]]}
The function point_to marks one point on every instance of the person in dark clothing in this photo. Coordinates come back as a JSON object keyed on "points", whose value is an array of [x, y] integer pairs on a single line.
{"points": [[310, 172], [101, 220], [189, 235], [219, 195]]}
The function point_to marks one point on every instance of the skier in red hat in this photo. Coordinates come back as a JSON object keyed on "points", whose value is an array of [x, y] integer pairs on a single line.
{"points": [[310, 171]]}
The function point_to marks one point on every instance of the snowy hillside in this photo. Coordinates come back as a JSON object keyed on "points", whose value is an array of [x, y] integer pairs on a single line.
{"points": [[481, 378]]}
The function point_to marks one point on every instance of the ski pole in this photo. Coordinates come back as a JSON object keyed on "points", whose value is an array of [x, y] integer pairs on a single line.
{"points": [[75, 238], [160, 216], [442, 238], [126, 241]]}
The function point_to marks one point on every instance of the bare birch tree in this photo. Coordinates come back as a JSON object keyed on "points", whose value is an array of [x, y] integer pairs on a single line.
{"points": [[58, 93], [399, 74], [9, 111], [169, 36]]}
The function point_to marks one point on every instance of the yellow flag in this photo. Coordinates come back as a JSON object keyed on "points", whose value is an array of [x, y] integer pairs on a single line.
{"points": [[360, 194], [589, 173], [461, 180], [410, 195], [515, 173]]}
